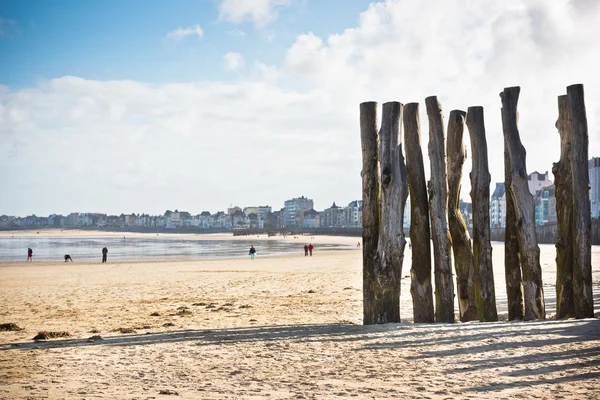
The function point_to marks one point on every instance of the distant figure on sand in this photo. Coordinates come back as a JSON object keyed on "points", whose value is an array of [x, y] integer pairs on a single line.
{"points": [[310, 248], [358, 244], [252, 252], [305, 250], [104, 253], [29, 254], [68, 258]]}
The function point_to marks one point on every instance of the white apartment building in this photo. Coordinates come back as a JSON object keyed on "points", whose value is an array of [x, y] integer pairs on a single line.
{"points": [[537, 181]]}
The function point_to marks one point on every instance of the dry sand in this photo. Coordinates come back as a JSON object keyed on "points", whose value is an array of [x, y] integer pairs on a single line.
{"points": [[277, 328]]}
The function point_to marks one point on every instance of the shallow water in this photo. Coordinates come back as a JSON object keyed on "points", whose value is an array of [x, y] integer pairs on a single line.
{"points": [[147, 249]]}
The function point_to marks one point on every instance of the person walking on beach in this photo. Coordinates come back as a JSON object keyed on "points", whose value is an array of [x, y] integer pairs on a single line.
{"points": [[29, 254], [310, 248], [68, 258], [252, 252], [358, 244], [305, 250], [104, 253]]}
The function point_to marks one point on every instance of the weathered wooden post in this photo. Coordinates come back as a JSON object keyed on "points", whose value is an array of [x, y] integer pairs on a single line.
{"points": [[438, 209], [524, 207], [582, 247], [382, 272], [512, 262], [420, 272], [456, 154], [370, 195], [394, 191], [485, 292], [563, 182]]}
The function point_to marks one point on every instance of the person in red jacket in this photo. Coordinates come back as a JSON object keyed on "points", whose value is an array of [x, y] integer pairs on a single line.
{"points": [[29, 254], [305, 250], [310, 248]]}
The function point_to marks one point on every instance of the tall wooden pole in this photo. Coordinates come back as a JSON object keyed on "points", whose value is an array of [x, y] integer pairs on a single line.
{"points": [[563, 182], [394, 191], [582, 249], [420, 272], [456, 154], [480, 196], [524, 209], [370, 195], [438, 210], [512, 262]]}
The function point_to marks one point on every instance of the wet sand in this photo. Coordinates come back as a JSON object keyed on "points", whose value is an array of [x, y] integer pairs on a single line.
{"points": [[278, 328]]}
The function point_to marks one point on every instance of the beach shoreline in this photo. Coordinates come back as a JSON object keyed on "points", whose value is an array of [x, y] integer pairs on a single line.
{"points": [[278, 327]]}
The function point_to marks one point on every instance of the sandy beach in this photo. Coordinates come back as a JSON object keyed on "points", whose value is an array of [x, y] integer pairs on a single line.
{"points": [[277, 327]]}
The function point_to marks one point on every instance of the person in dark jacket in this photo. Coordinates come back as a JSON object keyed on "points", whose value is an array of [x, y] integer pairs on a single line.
{"points": [[104, 254], [29, 254], [310, 248], [252, 252], [305, 250]]}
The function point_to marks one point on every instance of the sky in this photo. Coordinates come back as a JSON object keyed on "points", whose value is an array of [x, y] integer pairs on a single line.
{"points": [[146, 105]]}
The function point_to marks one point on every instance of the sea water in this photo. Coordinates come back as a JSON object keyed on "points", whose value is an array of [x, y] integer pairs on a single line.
{"points": [[145, 249]]}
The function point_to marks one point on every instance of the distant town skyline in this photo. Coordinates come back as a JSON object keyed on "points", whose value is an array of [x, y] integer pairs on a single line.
{"points": [[210, 103]]}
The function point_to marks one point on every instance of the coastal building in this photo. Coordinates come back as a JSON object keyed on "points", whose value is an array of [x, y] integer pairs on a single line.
{"points": [[545, 206], [498, 206], [333, 217], [537, 181], [233, 210], [353, 214], [594, 172], [293, 211], [311, 219]]}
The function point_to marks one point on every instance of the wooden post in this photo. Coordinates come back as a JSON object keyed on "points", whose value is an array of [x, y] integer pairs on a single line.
{"points": [[370, 195], [512, 262], [420, 272], [480, 196], [456, 154], [394, 191], [524, 206], [384, 197], [438, 210], [582, 242], [563, 182]]}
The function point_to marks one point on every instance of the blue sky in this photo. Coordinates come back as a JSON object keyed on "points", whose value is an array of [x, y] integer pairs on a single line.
{"points": [[112, 40], [143, 106]]}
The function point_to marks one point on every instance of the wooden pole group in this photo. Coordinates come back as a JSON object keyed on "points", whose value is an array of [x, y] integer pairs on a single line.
{"points": [[435, 215]]}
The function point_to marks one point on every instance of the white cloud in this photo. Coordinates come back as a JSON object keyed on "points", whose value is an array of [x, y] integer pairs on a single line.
{"points": [[181, 33], [6, 26], [260, 12], [124, 145], [465, 53], [236, 32], [233, 61], [293, 129]]}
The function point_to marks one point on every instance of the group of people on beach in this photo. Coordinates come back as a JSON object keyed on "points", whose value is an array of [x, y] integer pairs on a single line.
{"points": [[308, 248], [67, 257]]}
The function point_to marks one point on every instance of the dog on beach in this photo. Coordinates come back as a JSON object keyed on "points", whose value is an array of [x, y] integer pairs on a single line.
{"points": [[68, 258]]}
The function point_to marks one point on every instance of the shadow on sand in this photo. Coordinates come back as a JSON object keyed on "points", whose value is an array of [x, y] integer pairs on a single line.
{"points": [[512, 338]]}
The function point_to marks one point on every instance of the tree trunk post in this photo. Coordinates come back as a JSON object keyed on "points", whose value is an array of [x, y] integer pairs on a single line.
{"points": [[524, 206], [438, 210], [420, 272], [394, 191], [480, 197], [456, 154], [582, 247], [370, 195], [512, 262], [563, 181]]}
